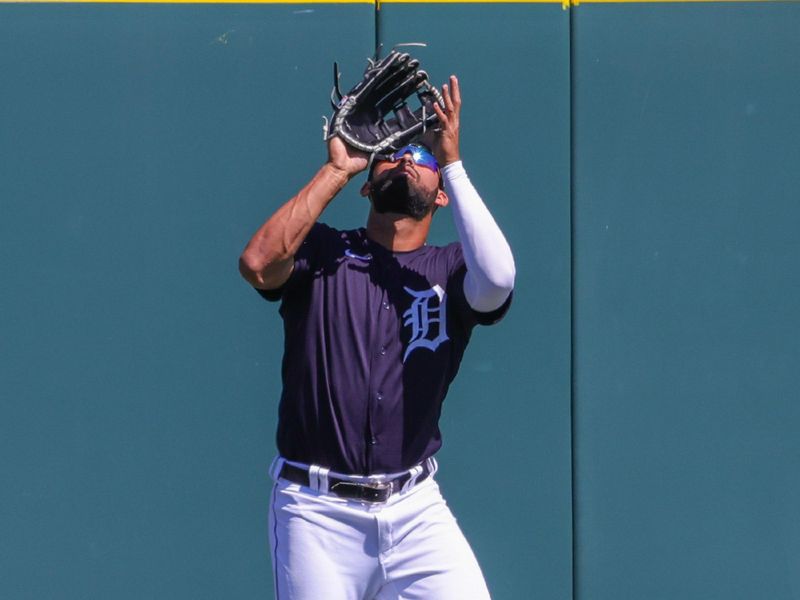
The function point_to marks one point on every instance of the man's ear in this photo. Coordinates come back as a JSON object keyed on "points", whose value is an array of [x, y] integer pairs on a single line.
{"points": [[441, 198], [365, 189]]}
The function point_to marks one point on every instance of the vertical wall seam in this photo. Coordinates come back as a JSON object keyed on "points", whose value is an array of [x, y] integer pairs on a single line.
{"points": [[378, 40], [572, 301]]}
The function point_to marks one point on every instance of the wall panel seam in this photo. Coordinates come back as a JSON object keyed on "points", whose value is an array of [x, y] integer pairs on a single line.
{"points": [[572, 303]]}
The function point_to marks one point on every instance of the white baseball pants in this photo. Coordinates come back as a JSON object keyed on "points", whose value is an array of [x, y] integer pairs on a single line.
{"points": [[408, 548]]}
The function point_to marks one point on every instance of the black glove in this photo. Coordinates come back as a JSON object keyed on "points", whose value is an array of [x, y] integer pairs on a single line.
{"points": [[374, 116]]}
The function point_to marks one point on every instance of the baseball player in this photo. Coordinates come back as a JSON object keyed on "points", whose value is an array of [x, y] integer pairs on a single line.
{"points": [[376, 323]]}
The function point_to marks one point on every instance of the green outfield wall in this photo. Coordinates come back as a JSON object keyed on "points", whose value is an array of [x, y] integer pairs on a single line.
{"points": [[630, 431]]}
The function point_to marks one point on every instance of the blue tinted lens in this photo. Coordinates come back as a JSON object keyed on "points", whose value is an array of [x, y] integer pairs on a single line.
{"points": [[420, 155]]}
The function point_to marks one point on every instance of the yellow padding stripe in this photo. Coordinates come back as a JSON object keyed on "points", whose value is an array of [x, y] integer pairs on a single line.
{"points": [[574, 2], [470, 2], [564, 3]]}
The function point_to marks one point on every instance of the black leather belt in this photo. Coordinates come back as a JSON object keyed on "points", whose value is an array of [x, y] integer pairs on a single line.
{"points": [[354, 490]]}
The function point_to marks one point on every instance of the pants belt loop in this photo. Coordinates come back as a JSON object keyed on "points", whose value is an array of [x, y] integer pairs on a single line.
{"points": [[275, 467], [313, 477], [415, 473], [323, 480]]}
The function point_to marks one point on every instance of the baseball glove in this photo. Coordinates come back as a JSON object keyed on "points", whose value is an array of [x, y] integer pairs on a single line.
{"points": [[374, 116]]}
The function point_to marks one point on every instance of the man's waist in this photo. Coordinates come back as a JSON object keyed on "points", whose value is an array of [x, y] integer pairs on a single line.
{"points": [[365, 488]]}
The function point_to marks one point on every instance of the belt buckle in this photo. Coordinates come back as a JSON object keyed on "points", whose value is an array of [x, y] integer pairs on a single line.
{"points": [[372, 492], [376, 491]]}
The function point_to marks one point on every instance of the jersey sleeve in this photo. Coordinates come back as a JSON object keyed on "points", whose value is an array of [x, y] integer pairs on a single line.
{"points": [[468, 315], [306, 261]]}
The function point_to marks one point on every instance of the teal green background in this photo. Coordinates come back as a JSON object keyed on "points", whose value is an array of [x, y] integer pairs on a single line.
{"points": [[686, 292], [630, 429]]}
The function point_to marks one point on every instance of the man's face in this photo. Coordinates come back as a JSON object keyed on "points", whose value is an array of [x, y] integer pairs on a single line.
{"points": [[404, 185]]}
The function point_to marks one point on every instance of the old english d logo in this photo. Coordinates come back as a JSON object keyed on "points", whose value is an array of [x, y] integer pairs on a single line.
{"points": [[427, 318]]}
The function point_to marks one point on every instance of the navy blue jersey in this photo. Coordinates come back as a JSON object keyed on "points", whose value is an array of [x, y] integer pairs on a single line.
{"points": [[373, 339]]}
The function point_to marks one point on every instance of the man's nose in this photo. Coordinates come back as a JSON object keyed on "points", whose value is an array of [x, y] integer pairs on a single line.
{"points": [[407, 157]]}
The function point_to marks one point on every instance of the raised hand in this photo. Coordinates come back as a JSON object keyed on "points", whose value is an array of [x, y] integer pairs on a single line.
{"points": [[346, 158], [445, 142]]}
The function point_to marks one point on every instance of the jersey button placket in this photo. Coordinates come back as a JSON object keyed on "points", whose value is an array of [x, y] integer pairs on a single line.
{"points": [[374, 440]]}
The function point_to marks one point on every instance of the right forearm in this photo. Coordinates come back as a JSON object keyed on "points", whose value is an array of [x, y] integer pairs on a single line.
{"points": [[268, 257]]}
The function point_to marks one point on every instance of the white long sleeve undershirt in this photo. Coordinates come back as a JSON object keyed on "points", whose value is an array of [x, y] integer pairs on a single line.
{"points": [[490, 264]]}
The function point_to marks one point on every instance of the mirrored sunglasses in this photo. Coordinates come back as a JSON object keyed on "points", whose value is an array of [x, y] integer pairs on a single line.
{"points": [[419, 154]]}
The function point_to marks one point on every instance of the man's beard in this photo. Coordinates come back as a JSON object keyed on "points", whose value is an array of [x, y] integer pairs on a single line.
{"points": [[395, 193]]}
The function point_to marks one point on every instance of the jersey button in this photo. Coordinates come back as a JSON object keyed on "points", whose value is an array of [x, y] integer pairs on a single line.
{"points": [[386, 305], [379, 396], [383, 350], [373, 441]]}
